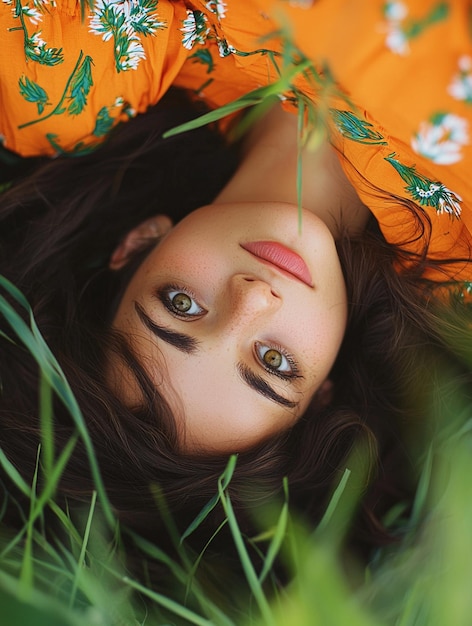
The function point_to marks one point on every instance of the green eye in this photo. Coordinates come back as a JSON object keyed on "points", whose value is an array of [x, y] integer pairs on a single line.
{"points": [[276, 361], [181, 302], [273, 358]]}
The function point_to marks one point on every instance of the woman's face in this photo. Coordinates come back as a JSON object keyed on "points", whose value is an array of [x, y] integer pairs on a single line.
{"points": [[237, 346]]}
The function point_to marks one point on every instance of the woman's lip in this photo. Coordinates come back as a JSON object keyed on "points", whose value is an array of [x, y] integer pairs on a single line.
{"points": [[283, 258]]}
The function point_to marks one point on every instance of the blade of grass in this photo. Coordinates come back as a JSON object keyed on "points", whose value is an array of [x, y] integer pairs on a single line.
{"points": [[46, 423], [333, 503], [257, 96], [251, 576], [26, 575], [300, 129], [81, 560], [14, 475], [225, 478], [34, 342], [278, 538], [423, 489], [183, 577], [190, 580], [167, 603], [53, 479]]}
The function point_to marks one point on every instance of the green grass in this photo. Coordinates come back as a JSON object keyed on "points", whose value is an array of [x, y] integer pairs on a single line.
{"points": [[81, 578]]}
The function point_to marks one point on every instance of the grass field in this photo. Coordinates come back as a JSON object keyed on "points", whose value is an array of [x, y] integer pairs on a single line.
{"points": [[80, 578]]}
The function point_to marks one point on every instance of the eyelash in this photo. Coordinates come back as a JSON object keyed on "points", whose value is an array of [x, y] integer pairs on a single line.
{"points": [[294, 373], [163, 295]]}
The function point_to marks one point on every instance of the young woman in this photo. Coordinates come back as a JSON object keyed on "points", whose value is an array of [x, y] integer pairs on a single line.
{"points": [[182, 351], [239, 331]]}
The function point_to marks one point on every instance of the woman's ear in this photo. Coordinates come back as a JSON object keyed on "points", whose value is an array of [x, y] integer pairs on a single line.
{"points": [[138, 238], [324, 395]]}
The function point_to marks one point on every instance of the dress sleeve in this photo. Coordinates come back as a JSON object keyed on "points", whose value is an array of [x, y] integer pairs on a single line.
{"points": [[67, 79]]}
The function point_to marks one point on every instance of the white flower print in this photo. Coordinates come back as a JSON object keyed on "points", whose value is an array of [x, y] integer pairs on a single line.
{"points": [[134, 54], [448, 202], [195, 29], [218, 7], [125, 21], [395, 11], [441, 139], [36, 42], [427, 192], [33, 14], [395, 40], [461, 85], [224, 48]]}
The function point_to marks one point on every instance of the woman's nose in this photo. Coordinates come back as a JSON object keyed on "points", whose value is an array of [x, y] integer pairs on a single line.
{"points": [[251, 297]]}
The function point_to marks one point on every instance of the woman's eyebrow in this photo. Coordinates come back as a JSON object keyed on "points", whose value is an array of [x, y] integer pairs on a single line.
{"points": [[184, 343], [260, 385]]}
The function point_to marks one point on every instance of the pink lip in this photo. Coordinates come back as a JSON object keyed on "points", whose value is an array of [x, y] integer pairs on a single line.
{"points": [[283, 258]]}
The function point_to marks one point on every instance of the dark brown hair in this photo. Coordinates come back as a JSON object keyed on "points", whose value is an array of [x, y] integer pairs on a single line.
{"points": [[58, 228]]}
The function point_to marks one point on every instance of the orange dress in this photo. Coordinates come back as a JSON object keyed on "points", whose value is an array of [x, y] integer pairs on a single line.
{"points": [[391, 78]]}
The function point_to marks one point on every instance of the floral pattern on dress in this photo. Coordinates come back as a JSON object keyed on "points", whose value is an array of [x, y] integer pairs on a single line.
{"points": [[355, 128], [30, 13], [218, 7], [460, 87], [427, 192], [400, 30], [73, 99], [125, 22], [195, 29], [394, 13], [442, 138]]}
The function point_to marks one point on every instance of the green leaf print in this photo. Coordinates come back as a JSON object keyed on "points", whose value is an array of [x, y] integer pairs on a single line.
{"points": [[80, 149], [32, 92], [43, 55], [425, 191], [80, 86], [139, 17], [401, 29], [203, 56], [103, 123], [437, 14], [356, 129], [34, 46], [77, 86]]}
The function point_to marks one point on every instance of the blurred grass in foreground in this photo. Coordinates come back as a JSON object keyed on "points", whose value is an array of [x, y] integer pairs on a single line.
{"points": [[80, 578]]}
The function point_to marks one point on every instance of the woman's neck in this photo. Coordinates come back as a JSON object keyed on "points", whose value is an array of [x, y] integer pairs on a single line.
{"points": [[268, 172]]}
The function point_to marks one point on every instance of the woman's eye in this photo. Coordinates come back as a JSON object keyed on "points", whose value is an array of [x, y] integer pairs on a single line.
{"points": [[276, 361], [180, 303]]}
